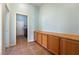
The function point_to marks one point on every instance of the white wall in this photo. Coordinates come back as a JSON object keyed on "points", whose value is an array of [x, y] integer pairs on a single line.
{"points": [[19, 28], [48, 17], [6, 26], [3, 41], [59, 18], [12, 28], [36, 20], [28, 10], [0, 29]]}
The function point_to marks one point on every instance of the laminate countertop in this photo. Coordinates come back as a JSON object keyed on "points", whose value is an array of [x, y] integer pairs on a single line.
{"points": [[62, 35]]}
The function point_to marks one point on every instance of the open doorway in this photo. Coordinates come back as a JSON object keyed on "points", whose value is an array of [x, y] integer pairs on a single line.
{"points": [[21, 28]]}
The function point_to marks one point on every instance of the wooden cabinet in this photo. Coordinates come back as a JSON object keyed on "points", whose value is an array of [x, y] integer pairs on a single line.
{"points": [[58, 43], [53, 44], [69, 47], [35, 36], [38, 37], [44, 40]]}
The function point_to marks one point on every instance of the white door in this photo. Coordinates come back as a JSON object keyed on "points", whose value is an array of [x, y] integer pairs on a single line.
{"points": [[20, 28]]}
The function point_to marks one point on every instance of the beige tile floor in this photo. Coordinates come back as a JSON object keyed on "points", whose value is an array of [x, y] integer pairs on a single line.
{"points": [[24, 48]]}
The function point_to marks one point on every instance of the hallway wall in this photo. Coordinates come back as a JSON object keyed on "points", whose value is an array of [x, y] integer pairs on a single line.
{"points": [[48, 17], [4, 31], [29, 11], [6, 26], [12, 28], [59, 18], [1, 29]]}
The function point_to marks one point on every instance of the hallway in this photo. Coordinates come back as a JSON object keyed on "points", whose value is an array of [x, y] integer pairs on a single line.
{"points": [[24, 48]]}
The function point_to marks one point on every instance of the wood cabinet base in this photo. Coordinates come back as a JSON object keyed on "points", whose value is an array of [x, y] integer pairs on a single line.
{"points": [[57, 44]]}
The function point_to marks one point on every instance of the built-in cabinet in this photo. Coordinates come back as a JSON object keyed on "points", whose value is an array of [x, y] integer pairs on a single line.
{"points": [[69, 47], [38, 37], [57, 44], [53, 44], [35, 36], [44, 40]]}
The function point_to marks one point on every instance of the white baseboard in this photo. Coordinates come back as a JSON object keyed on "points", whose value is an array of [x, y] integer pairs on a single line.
{"points": [[30, 40], [0, 51], [12, 44]]}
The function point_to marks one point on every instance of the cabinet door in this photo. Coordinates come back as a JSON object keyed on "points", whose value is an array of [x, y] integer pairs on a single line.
{"points": [[69, 47], [39, 37], [35, 36], [53, 44], [44, 40]]}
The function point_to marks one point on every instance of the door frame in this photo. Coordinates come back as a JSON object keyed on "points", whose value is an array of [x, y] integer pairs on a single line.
{"points": [[27, 24]]}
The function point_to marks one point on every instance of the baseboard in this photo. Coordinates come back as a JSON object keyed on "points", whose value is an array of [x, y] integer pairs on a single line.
{"points": [[12, 44], [1, 52], [30, 40]]}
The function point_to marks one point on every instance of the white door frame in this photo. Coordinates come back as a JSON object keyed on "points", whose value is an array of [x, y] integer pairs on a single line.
{"points": [[27, 25]]}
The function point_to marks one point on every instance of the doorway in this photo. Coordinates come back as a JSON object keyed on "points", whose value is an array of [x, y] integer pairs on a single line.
{"points": [[21, 27]]}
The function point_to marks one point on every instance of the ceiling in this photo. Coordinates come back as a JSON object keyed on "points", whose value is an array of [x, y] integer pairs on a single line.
{"points": [[37, 4]]}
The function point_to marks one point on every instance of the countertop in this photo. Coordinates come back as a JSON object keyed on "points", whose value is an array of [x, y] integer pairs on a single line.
{"points": [[62, 35]]}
